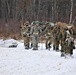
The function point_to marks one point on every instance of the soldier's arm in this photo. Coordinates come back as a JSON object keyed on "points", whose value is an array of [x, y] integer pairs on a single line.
{"points": [[45, 30], [31, 31]]}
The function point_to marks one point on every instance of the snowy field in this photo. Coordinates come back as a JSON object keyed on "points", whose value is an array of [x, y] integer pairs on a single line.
{"points": [[18, 61]]}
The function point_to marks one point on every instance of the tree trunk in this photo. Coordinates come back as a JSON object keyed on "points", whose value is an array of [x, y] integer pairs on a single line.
{"points": [[71, 12], [38, 9]]}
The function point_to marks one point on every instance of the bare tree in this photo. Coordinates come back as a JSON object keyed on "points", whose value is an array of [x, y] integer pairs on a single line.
{"points": [[71, 12], [38, 9]]}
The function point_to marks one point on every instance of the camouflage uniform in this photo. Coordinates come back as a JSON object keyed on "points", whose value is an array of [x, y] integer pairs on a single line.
{"points": [[35, 35], [26, 35], [63, 38], [56, 37], [72, 32], [31, 37], [48, 34], [69, 45]]}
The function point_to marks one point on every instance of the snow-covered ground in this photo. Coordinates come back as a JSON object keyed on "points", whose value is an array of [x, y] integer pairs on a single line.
{"points": [[18, 61]]}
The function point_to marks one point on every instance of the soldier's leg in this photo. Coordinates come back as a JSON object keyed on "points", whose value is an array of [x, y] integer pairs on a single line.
{"points": [[54, 45], [57, 45], [46, 43], [62, 50], [67, 53], [31, 44], [37, 39], [72, 47], [31, 40], [49, 43], [26, 42], [71, 51], [34, 42]]}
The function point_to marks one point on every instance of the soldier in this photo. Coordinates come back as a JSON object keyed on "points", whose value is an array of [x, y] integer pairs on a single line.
{"points": [[26, 34], [48, 34], [60, 35], [35, 31]]}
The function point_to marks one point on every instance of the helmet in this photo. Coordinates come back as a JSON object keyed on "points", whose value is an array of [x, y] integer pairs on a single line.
{"points": [[40, 23], [36, 22], [26, 23]]}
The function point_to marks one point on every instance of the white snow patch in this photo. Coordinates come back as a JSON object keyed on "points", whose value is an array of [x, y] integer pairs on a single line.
{"points": [[18, 61]]}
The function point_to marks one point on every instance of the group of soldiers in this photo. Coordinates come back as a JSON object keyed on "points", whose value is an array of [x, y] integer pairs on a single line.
{"points": [[54, 33]]}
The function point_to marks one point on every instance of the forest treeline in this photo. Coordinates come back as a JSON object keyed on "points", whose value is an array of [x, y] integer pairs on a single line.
{"points": [[14, 12]]}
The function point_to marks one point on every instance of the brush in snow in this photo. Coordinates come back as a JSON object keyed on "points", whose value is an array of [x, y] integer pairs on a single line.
{"points": [[13, 45]]}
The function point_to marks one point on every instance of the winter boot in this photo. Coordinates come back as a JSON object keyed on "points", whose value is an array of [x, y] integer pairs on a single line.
{"points": [[27, 47], [57, 49], [35, 48], [62, 54]]}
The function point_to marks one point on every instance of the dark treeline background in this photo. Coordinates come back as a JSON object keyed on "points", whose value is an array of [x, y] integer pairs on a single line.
{"points": [[14, 12]]}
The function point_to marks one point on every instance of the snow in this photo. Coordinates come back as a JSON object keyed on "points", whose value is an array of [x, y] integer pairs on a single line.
{"points": [[8, 42], [18, 61]]}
